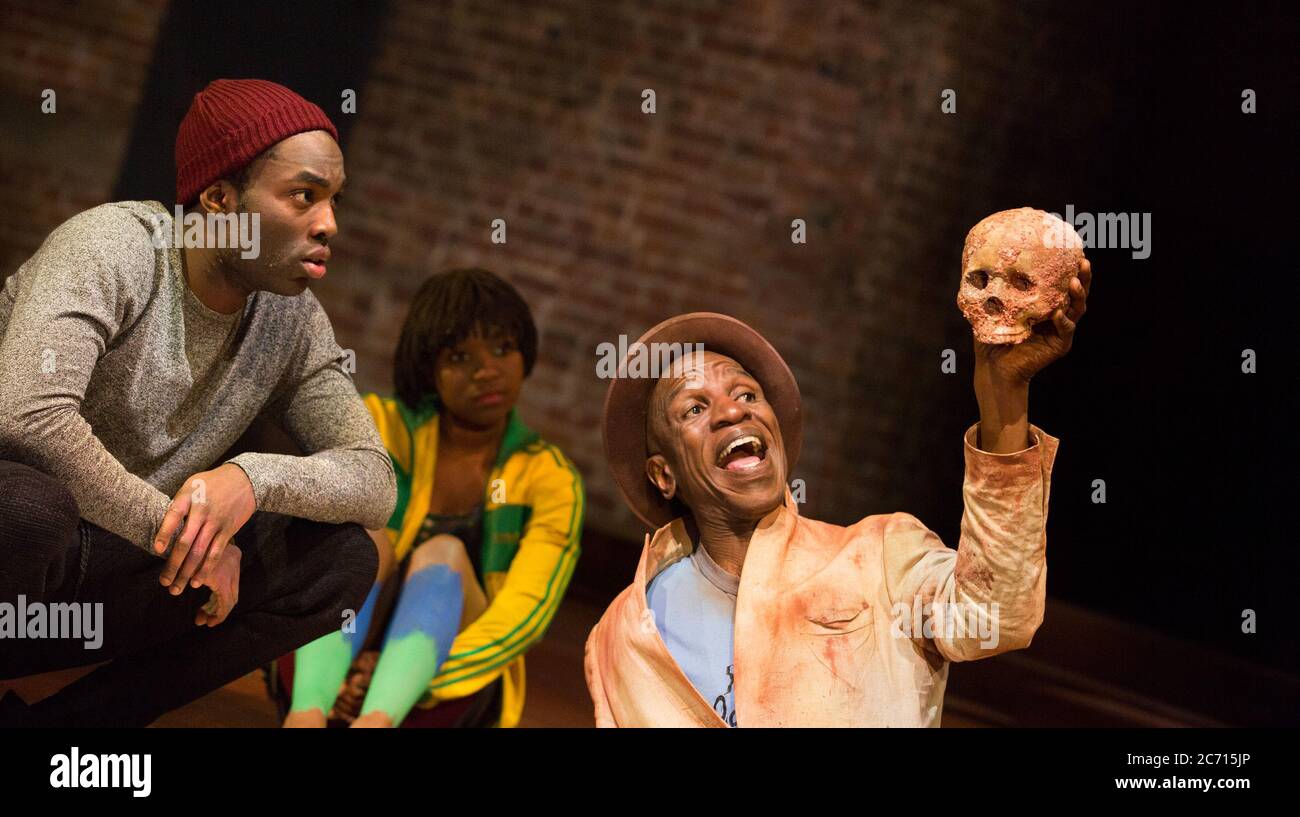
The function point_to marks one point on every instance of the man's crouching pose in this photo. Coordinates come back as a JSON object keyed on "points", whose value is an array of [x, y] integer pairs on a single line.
{"points": [[130, 362], [780, 620]]}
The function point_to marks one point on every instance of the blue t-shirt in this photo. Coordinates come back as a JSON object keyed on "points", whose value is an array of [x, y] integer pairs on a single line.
{"points": [[694, 604]]}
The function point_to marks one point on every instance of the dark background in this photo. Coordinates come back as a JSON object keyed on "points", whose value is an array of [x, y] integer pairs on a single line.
{"points": [[769, 112]]}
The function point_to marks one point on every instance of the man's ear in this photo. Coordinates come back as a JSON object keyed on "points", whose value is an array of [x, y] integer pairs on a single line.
{"points": [[219, 197], [661, 475]]}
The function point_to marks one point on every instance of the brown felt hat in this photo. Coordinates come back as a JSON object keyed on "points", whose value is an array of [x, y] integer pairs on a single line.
{"points": [[624, 421]]}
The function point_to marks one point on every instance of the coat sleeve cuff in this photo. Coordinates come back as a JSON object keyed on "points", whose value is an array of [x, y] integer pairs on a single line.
{"points": [[1017, 468]]}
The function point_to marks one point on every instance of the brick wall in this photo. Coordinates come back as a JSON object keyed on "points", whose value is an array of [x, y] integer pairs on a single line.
{"points": [[617, 219], [94, 54]]}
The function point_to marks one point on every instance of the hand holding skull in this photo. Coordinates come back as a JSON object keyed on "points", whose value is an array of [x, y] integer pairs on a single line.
{"points": [[1024, 287]]}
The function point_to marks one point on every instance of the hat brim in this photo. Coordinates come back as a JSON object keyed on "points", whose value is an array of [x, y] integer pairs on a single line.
{"points": [[626, 402]]}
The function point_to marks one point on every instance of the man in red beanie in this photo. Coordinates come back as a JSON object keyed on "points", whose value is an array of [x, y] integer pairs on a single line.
{"points": [[138, 346]]}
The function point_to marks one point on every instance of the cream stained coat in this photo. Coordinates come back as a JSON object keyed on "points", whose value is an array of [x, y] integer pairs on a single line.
{"points": [[821, 636]]}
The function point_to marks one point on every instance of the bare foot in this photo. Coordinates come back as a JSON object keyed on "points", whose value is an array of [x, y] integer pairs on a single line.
{"points": [[373, 720], [310, 719]]}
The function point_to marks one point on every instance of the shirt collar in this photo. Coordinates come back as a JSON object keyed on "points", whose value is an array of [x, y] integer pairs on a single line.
{"points": [[714, 574], [672, 542]]}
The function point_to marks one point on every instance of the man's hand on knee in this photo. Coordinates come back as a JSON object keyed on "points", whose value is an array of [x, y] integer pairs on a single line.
{"points": [[213, 505], [224, 581]]}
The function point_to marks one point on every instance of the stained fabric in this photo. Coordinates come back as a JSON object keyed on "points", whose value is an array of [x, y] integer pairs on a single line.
{"points": [[846, 626]]}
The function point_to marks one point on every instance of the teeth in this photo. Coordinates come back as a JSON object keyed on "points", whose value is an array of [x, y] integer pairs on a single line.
{"points": [[738, 442]]}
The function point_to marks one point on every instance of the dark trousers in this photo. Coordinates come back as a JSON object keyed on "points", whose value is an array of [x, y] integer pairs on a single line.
{"points": [[296, 579]]}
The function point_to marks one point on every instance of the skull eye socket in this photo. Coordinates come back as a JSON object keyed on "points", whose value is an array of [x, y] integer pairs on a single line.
{"points": [[1021, 281], [977, 278]]}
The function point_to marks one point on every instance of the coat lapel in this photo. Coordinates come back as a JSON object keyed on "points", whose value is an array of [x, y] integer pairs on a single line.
{"points": [[760, 615]]}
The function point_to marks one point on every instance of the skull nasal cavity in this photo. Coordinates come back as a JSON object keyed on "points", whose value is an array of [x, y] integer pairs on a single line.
{"points": [[993, 306]]}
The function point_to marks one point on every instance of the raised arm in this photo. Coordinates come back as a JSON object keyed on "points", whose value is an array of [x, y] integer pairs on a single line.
{"points": [[988, 597], [1003, 372]]}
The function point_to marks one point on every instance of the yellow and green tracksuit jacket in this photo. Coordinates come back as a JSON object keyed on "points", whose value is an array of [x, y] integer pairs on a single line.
{"points": [[532, 523]]}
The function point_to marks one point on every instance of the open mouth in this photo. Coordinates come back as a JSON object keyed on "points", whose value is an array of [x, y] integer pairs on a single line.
{"points": [[742, 454], [316, 269]]}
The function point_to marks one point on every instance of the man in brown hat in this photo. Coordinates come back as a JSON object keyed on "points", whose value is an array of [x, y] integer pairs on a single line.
{"points": [[780, 620]]}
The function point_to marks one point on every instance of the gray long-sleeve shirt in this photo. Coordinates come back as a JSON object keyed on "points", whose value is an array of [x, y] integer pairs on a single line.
{"points": [[117, 380]]}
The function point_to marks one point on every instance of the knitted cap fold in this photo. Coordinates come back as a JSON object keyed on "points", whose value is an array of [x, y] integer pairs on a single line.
{"points": [[230, 122]]}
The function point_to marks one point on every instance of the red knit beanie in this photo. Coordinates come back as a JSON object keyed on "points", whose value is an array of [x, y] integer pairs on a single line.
{"points": [[233, 120]]}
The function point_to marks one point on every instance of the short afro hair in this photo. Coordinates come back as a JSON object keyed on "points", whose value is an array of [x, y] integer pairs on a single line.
{"points": [[446, 310]]}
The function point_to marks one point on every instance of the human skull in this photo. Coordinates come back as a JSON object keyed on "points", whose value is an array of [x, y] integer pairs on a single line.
{"points": [[1016, 270]]}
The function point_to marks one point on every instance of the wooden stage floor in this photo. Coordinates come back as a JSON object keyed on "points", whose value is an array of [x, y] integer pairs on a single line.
{"points": [[1082, 670]]}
